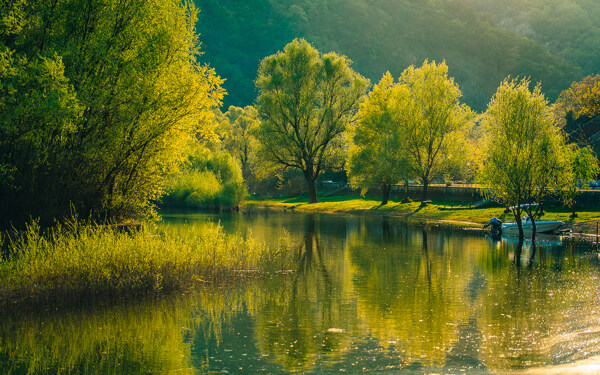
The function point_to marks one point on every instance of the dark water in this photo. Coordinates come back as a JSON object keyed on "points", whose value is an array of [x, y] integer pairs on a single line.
{"points": [[364, 294]]}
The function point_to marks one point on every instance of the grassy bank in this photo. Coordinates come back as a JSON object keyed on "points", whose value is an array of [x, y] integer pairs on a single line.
{"points": [[93, 261], [457, 213]]}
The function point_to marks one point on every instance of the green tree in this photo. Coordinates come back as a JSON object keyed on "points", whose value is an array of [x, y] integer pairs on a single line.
{"points": [[376, 154], [582, 166], [99, 101], [237, 132], [431, 135], [581, 99], [306, 100], [524, 149]]}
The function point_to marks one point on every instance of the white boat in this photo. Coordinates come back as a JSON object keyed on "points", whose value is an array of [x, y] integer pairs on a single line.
{"points": [[541, 226]]}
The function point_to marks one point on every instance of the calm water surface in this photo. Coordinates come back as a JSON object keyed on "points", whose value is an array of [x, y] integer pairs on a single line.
{"points": [[363, 294]]}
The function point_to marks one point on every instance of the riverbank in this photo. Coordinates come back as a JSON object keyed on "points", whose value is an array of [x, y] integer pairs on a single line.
{"points": [[454, 213], [77, 263]]}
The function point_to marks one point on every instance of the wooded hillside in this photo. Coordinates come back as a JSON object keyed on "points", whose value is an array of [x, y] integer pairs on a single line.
{"points": [[482, 41]]}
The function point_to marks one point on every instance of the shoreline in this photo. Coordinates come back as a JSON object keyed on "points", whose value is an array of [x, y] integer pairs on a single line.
{"points": [[455, 214]]}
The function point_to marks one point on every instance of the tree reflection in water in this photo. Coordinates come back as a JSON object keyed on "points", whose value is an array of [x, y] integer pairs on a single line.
{"points": [[372, 293]]}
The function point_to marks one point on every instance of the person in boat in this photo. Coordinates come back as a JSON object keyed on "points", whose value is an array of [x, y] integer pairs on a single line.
{"points": [[495, 225]]}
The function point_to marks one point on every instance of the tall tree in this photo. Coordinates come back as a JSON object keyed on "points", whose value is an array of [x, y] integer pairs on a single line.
{"points": [[99, 100], [431, 133], [376, 154], [524, 149], [306, 100], [238, 128]]}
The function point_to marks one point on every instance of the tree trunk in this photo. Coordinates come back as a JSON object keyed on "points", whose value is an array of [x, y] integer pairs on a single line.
{"points": [[311, 184], [312, 190], [517, 213], [386, 193], [573, 209], [533, 251], [533, 229], [424, 196]]}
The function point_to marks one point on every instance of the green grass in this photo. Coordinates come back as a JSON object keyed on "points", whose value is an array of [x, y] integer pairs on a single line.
{"points": [[90, 261], [458, 213]]}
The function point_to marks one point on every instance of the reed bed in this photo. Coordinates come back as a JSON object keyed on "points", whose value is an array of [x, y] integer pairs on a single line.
{"points": [[80, 261]]}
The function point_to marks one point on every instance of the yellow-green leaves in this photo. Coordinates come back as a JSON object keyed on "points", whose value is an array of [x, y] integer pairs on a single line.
{"points": [[581, 99], [524, 148], [306, 100], [237, 129], [376, 154], [111, 95], [414, 128]]}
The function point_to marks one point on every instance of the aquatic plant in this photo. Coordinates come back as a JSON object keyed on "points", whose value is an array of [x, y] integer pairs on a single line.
{"points": [[86, 261]]}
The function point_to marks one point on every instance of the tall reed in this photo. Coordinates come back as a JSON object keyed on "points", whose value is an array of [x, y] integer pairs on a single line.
{"points": [[90, 260]]}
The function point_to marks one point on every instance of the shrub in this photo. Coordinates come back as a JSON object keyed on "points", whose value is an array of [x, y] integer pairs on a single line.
{"points": [[210, 180]]}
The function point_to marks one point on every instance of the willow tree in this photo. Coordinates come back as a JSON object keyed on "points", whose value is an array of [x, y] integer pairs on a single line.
{"points": [[376, 155], [306, 100], [99, 98], [432, 132], [524, 149], [238, 128]]}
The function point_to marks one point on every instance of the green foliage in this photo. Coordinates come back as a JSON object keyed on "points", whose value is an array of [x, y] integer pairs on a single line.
{"points": [[481, 41], [306, 100], [376, 154], [87, 260], [434, 127], [415, 128], [569, 29], [524, 151], [40, 115], [99, 101], [581, 99], [237, 129], [209, 180], [581, 167], [255, 29]]}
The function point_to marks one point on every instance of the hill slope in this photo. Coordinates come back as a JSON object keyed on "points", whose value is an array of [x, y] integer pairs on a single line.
{"points": [[477, 38]]}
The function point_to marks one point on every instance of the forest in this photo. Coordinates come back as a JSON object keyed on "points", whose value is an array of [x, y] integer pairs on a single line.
{"points": [[554, 42]]}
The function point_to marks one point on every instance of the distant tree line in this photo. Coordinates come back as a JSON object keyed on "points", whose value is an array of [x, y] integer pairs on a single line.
{"points": [[313, 112]]}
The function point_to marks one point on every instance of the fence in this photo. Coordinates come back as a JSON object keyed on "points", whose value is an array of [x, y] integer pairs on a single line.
{"points": [[467, 193]]}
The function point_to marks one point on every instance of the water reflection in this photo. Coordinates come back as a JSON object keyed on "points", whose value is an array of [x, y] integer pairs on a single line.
{"points": [[364, 294]]}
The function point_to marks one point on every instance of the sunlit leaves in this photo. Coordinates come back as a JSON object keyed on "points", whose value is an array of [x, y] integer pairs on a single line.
{"points": [[581, 99], [376, 153], [581, 166], [430, 129], [129, 71], [306, 100], [524, 148]]}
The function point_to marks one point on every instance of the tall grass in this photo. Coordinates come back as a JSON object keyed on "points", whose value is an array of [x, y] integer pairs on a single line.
{"points": [[91, 260]]}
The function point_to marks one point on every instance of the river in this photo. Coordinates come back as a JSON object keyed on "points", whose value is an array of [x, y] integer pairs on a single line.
{"points": [[363, 294]]}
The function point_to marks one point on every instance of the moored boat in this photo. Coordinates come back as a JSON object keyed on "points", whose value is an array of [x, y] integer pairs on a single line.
{"points": [[542, 226]]}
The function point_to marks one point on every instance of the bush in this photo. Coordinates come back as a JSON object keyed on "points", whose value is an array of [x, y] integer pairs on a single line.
{"points": [[210, 181]]}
